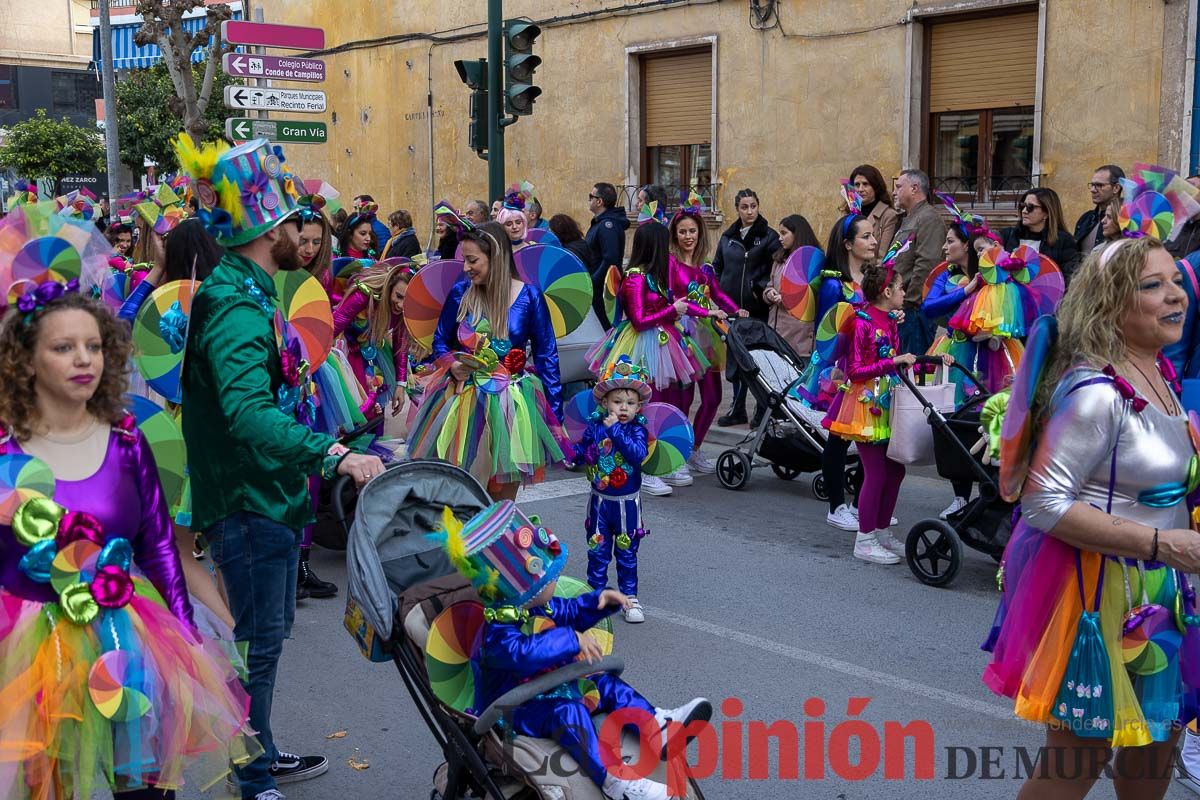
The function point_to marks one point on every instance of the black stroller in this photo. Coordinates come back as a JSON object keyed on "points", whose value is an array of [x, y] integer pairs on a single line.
{"points": [[790, 437], [402, 588], [934, 547]]}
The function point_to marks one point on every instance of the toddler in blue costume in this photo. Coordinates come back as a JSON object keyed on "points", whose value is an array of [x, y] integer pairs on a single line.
{"points": [[514, 564], [613, 447]]}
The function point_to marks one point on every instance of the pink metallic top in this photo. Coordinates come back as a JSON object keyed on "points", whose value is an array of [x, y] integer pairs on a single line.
{"points": [[354, 304], [699, 286], [873, 346], [646, 304]]}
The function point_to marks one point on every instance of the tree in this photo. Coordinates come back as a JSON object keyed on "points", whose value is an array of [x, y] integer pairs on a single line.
{"points": [[41, 147], [162, 24], [149, 113]]}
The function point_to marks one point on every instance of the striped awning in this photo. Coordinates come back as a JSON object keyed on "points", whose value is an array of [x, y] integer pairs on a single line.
{"points": [[128, 55]]}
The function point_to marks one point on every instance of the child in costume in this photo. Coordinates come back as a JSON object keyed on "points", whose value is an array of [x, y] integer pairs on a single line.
{"points": [[649, 329], [708, 306], [514, 564], [613, 447], [861, 410], [105, 678]]}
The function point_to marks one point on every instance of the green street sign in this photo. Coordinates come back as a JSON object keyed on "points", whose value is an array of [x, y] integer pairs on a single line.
{"points": [[242, 129]]}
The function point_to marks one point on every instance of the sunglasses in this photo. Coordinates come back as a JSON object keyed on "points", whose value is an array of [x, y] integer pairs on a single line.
{"points": [[1029, 208], [593, 197]]}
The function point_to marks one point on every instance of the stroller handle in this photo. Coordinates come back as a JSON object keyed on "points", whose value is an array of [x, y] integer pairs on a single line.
{"points": [[937, 361], [544, 683]]}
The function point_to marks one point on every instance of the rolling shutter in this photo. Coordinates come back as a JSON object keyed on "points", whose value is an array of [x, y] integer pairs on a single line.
{"points": [[678, 98], [983, 63]]}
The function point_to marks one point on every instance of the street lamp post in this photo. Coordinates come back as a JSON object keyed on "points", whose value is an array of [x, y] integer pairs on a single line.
{"points": [[108, 85]]}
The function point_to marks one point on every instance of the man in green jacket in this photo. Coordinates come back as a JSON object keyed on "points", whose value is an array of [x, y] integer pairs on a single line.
{"points": [[248, 457]]}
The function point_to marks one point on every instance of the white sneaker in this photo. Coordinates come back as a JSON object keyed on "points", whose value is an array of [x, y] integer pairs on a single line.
{"points": [[640, 789], [680, 477], [868, 548], [270, 794], [890, 542], [654, 485], [696, 710], [634, 614], [702, 463], [842, 518], [958, 505], [893, 522], [1189, 761]]}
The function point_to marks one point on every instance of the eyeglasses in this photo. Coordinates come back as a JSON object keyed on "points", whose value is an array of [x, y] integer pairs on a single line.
{"points": [[1100, 185], [1029, 208]]}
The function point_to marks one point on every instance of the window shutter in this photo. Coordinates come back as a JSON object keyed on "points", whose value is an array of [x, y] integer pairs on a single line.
{"points": [[983, 63], [678, 98]]}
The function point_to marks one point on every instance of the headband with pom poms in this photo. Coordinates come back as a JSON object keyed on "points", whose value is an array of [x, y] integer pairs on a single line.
{"points": [[651, 212], [690, 203]]}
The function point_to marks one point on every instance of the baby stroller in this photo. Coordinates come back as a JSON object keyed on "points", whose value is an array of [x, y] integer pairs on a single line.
{"points": [[406, 594], [790, 437], [934, 547]]}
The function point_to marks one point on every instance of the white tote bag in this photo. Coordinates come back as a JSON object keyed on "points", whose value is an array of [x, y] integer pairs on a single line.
{"points": [[912, 437]]}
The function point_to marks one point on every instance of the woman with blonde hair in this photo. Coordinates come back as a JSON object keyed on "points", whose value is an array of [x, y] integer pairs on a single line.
{"points": [[485, 411], [1098, 560], [379, 291]]}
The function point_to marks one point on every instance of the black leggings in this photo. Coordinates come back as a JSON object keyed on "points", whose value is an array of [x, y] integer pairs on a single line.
{"points": [[145, 793], [833, 468], [962, 489]]}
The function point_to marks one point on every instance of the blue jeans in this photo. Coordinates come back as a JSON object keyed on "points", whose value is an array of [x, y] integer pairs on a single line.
{"points": [[258, 559], [916, 333]]}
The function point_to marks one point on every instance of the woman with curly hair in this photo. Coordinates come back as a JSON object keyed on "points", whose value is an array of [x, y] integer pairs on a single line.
{"points": [[124, 613]]}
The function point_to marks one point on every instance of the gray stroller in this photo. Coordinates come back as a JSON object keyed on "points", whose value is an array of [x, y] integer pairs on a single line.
{"points": [[403, 593]]}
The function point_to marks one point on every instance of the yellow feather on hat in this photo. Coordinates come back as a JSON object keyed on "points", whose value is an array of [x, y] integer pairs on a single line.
{"points": [[231, 200], [198, 161]]}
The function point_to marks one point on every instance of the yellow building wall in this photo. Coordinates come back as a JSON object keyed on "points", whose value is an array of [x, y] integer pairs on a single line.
{"points": [[795, 112], [56, 33]]}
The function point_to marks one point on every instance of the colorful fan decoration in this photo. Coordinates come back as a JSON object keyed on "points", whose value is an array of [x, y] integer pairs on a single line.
{"points": [[799, 282], [1150, 639], [1046, 283], [22, 477], [569, 588], [670, 437], [612, 293], [165, 438], [344, 269], [114, 684], [453, 640], [851, 198], [540, 235], [828, 335], [1157, 201], [1148, 214], [38, 245], [563, 280], [160, 336], [74, 563], [305, 306], [426, 295], [576, 413], [1016, 433]]}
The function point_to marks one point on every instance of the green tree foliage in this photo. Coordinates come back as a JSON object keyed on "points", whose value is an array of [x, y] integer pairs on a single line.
{"points": [[150, 114], [41, 147]]}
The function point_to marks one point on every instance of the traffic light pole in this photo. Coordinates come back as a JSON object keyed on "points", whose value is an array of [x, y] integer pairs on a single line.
{"points": [[495, 109]]}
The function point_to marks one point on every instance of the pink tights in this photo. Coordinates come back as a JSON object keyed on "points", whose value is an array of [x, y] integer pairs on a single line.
{"points": [[681, 397], [880, 489]]}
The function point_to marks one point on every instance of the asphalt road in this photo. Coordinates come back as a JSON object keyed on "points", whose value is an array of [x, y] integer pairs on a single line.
{"points": [[752, 601]]}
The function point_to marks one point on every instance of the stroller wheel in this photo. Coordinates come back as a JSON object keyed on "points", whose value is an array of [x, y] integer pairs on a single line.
{"points": [[934, 552], [733, 469], [854, 480], [818, 488], [785, 472]]}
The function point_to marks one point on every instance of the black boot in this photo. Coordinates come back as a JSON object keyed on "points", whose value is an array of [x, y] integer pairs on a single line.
{"points": [[309, 582]]}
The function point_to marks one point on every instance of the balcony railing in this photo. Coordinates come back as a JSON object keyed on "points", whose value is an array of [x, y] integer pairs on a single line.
{"points": [[1000, 192], [627, 196], [114, 4]]}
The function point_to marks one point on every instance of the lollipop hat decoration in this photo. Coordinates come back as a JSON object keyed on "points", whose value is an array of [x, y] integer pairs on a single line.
{"points": [[79, 205], [518, 196], [1156, 202], [690, 204], [622, 374], [449, 215], [163, 210], [243, 192], [506, 556], [968, 224]]}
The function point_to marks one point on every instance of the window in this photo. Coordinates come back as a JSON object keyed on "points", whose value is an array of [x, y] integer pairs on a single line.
{"points": [[74, 92], [677, 120], [8, 87], [979, 130]]}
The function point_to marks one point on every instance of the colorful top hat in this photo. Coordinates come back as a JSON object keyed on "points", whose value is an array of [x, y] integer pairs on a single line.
{"points": [[508, 557], [243, 191], [163, 210], [622, 374]]}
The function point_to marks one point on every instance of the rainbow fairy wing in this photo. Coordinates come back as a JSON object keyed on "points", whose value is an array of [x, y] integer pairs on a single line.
{"points": [[799, 280], [669, 437], [1016, 433], [563, 281], [829, 339], [612, 293], [933, 276], [1046, 283]]}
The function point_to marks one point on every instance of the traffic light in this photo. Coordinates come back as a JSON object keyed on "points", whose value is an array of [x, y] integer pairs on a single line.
{"points": [[474, 74], [519, 65]]}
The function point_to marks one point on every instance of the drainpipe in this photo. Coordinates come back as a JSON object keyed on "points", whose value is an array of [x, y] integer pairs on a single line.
{"points": [[429, 109], [1191, 89]]}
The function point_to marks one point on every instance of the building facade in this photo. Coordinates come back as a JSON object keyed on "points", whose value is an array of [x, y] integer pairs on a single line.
{"points": [[45, 50], [988, 96]]}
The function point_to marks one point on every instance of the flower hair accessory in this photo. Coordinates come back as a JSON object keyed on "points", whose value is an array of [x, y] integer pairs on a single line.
{"points": [[37, 298], [651, 213]]}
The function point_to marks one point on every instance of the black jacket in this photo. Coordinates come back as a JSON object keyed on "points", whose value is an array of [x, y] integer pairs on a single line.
{"points": [[404, 244], [743, 264], [1085, 224], [581, 251], [1188, 240], [448, 244], [1064, 251], [606, 240]]}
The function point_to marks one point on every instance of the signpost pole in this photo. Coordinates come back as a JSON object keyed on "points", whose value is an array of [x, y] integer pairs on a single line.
{"points": [[495, 99], [108, 85], [260, 82]]}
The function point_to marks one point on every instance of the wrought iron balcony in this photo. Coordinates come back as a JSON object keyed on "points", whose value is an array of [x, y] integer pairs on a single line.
{"points": [[710, 194], [999, 192]]}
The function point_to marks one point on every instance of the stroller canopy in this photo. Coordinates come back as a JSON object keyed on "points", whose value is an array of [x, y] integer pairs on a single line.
{"points": [[389, 550]]}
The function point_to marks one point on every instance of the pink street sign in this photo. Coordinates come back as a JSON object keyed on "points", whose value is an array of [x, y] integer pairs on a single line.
{"points": [[281, 68], [268, 34]]}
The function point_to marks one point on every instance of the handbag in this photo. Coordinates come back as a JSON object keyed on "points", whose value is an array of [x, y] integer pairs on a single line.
{"points": [[912, 436]]}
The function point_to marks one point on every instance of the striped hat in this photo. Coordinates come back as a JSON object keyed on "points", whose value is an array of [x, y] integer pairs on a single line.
{"points": [[508, 557]]}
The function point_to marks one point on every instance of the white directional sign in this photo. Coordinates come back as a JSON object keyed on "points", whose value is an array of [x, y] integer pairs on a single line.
{"points": [[306, 101]]}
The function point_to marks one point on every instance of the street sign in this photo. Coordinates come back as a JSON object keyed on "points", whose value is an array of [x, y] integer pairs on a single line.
{"points": [[306, 101], [267, 34], [241, 65], [242, 129]]}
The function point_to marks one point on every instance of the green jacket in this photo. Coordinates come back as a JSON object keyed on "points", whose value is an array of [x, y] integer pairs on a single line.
{"points": [[244, 453]]}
